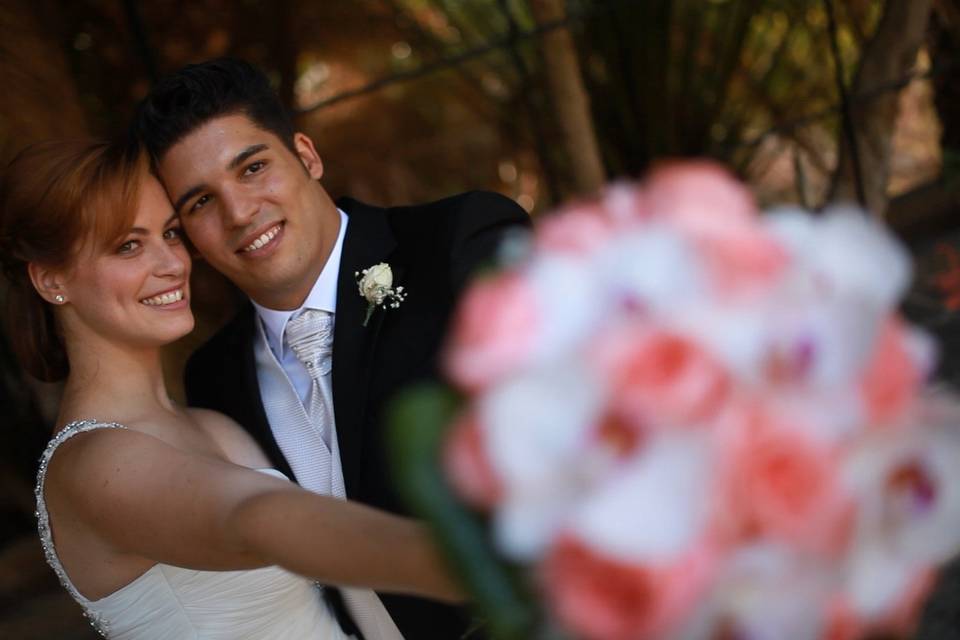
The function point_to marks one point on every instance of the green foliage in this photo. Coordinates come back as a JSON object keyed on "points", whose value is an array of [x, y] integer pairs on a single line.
{"points": [[671, 78], [687, 77], [419, 418]]}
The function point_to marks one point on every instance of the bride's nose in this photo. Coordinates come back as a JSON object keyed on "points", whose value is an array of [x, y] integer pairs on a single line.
{"points": [[171, 261]]}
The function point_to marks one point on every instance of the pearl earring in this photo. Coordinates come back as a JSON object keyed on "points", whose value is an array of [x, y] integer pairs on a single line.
{"points": [[59, 298]]}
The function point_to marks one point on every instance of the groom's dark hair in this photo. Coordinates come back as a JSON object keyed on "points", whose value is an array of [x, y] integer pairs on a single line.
{"points": [[197, 93]]}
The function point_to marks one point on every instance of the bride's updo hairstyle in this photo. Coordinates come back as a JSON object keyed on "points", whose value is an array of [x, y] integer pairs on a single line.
{"points": [[58, 201]]}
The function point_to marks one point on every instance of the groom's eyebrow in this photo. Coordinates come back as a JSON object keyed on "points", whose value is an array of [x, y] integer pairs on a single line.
{"points": [[182, 200], [233, 164], [246, 153]]}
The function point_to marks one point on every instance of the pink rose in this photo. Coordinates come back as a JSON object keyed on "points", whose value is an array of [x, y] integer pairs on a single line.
{"points": [[892, 375], [579, 230], [719, 215], [658, 377], [777, 481], [604, 598], [467, 465], [493, 331], [699, 195], [626, 204], [743, 260]]}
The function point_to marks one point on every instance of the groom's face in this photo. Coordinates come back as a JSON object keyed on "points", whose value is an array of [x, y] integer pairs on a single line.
{"points": [[252, 207]]}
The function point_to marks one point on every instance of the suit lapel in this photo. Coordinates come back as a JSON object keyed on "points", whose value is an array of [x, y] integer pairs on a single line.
{"points": [[248, 406], [367, 242]]}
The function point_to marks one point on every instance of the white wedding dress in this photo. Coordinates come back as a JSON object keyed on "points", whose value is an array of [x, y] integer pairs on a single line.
{"points": [[173, 603]]}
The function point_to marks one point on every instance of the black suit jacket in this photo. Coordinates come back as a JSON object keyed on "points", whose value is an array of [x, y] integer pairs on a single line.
{"points": [[432, 250]]}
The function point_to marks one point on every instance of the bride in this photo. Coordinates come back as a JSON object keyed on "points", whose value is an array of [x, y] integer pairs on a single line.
{"points": [[163, 521]]}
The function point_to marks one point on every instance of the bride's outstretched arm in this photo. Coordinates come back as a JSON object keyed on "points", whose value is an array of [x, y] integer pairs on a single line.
{"points": [[144, 497], [364, 546]]}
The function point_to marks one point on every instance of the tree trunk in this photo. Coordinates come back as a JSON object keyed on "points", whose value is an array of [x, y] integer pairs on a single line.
{"points": [[945, 53], [890, 54], [929, 211], [924, 213], [569, 97]]}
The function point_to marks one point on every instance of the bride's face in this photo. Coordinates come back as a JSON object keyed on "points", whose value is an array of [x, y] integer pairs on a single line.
{"points": [[136, 290]]}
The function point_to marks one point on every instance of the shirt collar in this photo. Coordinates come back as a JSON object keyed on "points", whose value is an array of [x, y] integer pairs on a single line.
{"points": [[322, 296]]}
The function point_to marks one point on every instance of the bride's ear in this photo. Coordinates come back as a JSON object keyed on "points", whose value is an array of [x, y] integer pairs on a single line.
{"points": [[48, 283]]}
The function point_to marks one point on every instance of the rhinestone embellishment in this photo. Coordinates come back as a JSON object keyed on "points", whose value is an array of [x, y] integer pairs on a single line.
{"points": [[99, 623]]}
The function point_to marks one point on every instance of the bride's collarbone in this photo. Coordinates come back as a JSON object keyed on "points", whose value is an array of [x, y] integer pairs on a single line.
{"points": [[231, 440], [186, 435]]}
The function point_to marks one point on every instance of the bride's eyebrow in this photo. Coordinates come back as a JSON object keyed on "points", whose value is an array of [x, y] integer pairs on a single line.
{"points": [[142, 231]]}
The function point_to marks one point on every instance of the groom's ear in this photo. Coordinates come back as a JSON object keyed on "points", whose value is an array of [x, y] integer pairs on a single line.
{"points": [[308, 155]]}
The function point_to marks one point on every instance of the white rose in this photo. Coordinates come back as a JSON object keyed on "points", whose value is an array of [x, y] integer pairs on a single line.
{"points": [[376, 282]]}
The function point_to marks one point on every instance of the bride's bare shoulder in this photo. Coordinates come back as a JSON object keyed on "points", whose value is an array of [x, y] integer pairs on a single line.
{"points": [[99, 439], [89, 451], [239, 447]]}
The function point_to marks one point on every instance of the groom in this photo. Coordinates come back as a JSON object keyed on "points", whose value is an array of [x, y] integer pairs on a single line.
{"points": [[245, 185]]}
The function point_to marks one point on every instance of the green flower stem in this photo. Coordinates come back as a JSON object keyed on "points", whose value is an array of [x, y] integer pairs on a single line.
{"points": [[418, 421]]}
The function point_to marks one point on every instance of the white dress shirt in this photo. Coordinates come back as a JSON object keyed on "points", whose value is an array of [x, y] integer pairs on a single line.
{"points": [[302, 444], [322, 296]]}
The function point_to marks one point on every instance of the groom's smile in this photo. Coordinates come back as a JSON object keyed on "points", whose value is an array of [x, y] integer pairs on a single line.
{"points": [[260, 244], [253, 207]]}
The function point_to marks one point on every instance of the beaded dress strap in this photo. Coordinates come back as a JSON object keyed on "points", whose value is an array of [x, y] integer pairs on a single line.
{"points": [[43, 517]]}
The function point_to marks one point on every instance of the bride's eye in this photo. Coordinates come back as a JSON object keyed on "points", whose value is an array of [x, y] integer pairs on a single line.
{"points": [[128, 246], [173, 233]]}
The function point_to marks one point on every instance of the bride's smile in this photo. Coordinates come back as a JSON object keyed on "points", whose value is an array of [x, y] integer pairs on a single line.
{"points": [[116, 288]]}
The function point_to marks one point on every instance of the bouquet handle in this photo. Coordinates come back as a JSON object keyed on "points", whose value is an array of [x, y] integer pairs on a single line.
{"points": [[418, 419]]}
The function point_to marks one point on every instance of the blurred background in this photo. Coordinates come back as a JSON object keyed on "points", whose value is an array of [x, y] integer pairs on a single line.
{"points": [[809, 101]]}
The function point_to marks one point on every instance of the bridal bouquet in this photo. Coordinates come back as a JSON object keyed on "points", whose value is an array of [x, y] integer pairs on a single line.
{"points": [[684, 419]]}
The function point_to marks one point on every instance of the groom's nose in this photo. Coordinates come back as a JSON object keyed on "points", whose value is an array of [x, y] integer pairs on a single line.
{"points": [[239, 207]]}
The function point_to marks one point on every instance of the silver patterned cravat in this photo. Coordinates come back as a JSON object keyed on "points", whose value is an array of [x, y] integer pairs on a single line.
{"points": [[310, 336], [316, 455]]}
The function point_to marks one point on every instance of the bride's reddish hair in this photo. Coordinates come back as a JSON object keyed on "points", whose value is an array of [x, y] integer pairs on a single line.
{"points": [[56, 198]]}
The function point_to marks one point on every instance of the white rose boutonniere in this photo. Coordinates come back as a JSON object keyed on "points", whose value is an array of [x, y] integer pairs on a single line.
{"points": [[376, 286]]}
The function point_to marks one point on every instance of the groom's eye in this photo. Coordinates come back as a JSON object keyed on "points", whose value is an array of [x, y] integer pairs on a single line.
{"points": [[255, 167], [201, 201]]}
